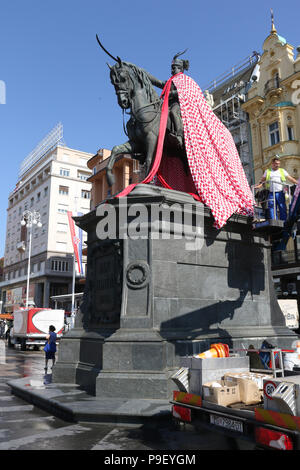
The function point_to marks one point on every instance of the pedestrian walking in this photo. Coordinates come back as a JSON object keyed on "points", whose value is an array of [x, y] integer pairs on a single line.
{"points": [[50, 347]]}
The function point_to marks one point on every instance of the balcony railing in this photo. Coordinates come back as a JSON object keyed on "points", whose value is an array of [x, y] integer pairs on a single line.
{"points": [[272, 84]]}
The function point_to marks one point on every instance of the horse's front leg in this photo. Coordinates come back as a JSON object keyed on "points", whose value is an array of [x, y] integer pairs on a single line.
{"points": [[151, 145], [117, 150]]}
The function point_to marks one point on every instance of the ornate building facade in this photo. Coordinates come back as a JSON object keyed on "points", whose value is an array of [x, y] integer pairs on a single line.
{"points": [[274, 108]]}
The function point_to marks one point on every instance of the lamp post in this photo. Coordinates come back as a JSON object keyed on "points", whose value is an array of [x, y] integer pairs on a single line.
{"points": [[29, 219]]}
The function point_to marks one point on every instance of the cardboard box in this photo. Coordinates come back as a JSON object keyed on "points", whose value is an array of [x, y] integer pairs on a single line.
{"points": [[249, 389], [206, 370], [221, 394], [258, 378]]}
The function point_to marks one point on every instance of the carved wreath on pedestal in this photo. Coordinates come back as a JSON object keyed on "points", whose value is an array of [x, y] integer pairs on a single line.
{"points": [[137, 274]]}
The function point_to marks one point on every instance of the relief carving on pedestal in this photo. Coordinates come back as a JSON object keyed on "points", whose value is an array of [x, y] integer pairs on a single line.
{"points": [[103, 292]]}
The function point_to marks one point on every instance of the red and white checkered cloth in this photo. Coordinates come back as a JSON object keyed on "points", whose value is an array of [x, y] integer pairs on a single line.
{"points": [[216, 175], [213, 159]]}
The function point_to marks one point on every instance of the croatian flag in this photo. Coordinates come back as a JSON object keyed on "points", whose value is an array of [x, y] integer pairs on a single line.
{"points": [[75, 240], [80, 244]]}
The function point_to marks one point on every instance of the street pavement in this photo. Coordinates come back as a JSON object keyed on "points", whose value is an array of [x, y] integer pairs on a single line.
{"points": [[26, 427]]}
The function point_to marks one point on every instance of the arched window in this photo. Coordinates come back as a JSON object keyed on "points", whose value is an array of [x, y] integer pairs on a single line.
{"points": [[275, 77]]}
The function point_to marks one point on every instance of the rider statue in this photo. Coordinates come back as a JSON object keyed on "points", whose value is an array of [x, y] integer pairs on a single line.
{"points": [[215, 174], [177, 66]]}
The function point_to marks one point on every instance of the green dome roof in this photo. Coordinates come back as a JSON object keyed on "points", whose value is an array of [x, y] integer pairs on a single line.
{"points": [[281, 39]]}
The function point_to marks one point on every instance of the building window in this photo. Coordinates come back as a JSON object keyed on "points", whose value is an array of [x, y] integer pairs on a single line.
{"points": [[64, 190], [31, 202], [64, 172], [61, 227], [46, 191], [38, 197], [290, 133], [61, 266], [274, 133], [83, 176], [85, 194], [63, 208]]}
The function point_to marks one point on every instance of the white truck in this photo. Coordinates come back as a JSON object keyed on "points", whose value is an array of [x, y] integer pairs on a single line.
{"points": [[31, 326]]}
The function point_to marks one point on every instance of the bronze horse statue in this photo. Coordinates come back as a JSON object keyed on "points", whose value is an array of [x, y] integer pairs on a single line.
{"points": [[135, 93]]}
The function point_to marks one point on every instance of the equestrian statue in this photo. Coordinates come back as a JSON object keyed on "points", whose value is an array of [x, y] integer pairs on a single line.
{"points": [[181, 142], [135, 92]]}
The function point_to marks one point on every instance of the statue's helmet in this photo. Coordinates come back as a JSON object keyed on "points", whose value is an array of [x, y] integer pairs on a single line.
{"points": [[184, 64]]}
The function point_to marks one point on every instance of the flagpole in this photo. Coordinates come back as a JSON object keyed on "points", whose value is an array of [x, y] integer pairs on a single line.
{"points": [[73, 293]]}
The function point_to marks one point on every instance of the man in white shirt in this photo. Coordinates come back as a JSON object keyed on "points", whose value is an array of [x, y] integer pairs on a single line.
{"points": [[274, 178]]}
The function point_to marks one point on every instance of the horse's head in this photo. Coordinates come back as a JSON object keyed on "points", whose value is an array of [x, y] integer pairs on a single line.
{"points": [[119, 76], [121, 79], [127, 78]]}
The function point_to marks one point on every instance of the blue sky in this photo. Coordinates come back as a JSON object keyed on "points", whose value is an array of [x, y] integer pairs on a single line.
{"points": [[55, 71]]}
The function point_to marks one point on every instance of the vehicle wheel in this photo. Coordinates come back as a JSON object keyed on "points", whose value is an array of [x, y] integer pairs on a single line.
{"points": [[9, 343], [23, 344]]}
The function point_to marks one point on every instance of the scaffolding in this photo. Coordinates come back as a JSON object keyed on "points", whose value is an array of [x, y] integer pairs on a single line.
{"points": [[233, 71], [230, 111], [49, 142], [235, 119], [229, 93]]}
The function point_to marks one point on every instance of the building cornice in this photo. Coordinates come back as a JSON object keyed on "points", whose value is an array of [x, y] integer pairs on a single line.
{"points": [[253, 102], [32, 190], [290, 78], [104, 164]]}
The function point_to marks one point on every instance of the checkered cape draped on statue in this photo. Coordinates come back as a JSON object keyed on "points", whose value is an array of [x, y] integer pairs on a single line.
{"points": [[216, 172], [213, 159]]}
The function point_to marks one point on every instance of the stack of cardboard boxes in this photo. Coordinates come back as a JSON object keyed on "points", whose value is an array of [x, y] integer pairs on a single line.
{"points": [[225, 381]]}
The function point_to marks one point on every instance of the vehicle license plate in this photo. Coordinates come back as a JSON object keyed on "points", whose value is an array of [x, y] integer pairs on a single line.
{"points": [[227, 423]]}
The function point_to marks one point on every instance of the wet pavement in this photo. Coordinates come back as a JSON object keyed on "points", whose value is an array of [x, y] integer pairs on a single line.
{"points": [[24, 426]]}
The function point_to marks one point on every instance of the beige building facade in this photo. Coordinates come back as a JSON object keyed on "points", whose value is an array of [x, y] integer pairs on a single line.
{"points": [[273, 106], [126, 171], [52, 181]]}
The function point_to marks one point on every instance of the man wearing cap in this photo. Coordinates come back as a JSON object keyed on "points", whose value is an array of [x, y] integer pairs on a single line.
{"points": [[274, 179]]}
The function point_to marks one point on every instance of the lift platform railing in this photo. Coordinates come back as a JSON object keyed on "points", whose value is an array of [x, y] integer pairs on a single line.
{"points": [[263, 203]]}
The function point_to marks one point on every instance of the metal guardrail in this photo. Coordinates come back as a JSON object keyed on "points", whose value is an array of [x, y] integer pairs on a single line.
{"points": [[235, 70], [265, 201]]}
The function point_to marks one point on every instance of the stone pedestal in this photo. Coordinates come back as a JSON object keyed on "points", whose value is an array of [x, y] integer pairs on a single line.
{"points": [[150, 299]]}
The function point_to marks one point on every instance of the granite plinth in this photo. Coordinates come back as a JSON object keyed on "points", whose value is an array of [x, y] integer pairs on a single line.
{"points": [[150, 300], [70, 403]]}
